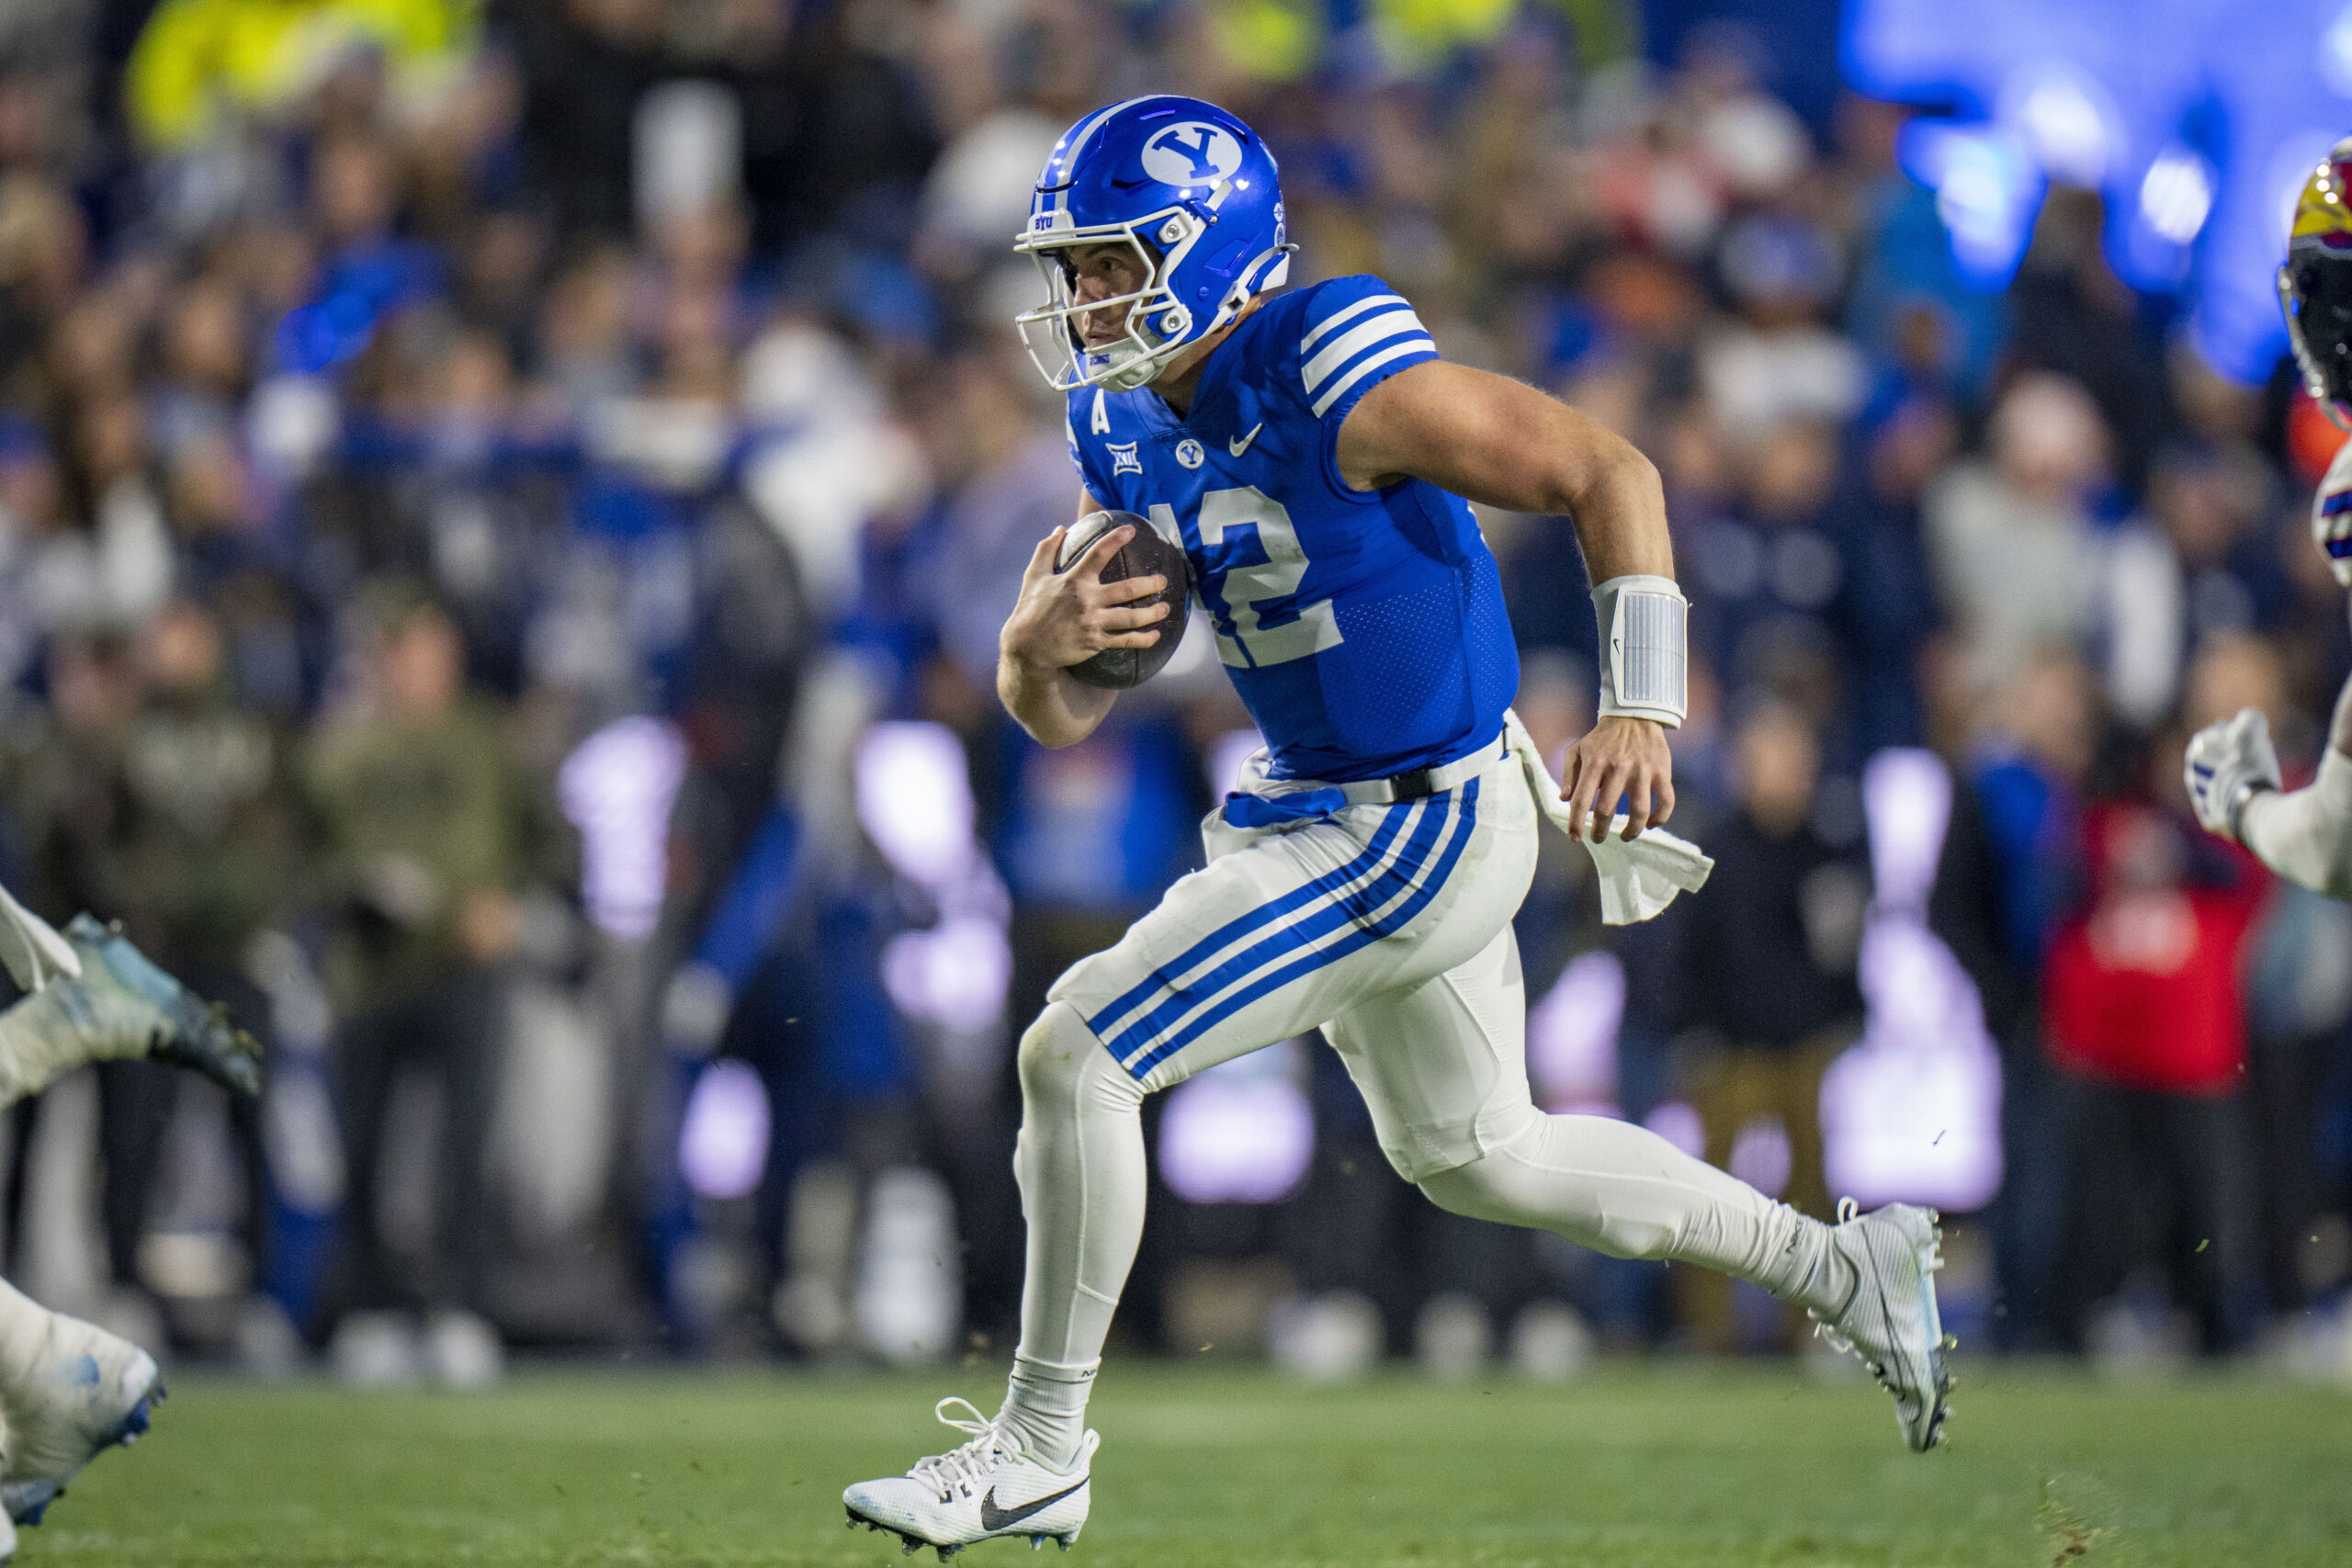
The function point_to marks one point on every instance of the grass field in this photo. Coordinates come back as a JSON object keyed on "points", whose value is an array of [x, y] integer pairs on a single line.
{"points": [[1678, 1468]]}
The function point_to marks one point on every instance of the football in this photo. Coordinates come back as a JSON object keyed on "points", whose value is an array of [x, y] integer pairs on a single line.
{"points": [[1149, 552]]}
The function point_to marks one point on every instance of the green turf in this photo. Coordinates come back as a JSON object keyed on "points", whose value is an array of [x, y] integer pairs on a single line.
{"points": [[1673, 1469]]}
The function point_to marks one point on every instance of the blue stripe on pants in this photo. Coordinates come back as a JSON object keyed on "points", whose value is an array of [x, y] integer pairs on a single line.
{"points": [[1465, 822], [1235, 930], [1356, 905]]}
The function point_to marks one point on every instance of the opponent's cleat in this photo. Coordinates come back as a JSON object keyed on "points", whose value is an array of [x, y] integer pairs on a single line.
{"points": [[1891, 1320], [88, 1391], [977, 1492], [130, 994]]}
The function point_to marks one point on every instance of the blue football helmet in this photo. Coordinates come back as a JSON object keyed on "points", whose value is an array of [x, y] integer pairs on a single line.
{"points": [[1195, 192]]}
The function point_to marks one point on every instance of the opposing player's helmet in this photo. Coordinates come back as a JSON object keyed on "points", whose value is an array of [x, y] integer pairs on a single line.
{"points": [[1195, 192], [2315, 283]]}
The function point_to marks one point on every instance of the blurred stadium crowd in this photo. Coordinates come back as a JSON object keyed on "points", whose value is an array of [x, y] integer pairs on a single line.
{"points": [[505, 515]]}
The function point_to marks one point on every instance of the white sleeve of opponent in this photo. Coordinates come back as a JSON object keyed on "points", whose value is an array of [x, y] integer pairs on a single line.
{"points": [[2306, 836]]}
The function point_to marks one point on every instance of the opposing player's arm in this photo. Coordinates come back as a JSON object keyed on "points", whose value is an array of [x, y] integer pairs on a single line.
{"points": [[2233, 775], [1065, 619], [2304, 835], [1503, 444]]}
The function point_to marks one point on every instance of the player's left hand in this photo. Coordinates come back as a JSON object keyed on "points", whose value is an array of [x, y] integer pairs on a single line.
{"points": [[1619, 757], [2226, 764]]}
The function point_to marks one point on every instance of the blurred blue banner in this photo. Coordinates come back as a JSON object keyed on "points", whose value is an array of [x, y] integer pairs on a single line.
{"points": [[2197, 119]]}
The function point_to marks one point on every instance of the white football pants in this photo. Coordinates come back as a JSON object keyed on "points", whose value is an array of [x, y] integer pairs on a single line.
{"points": [[1388, 926]]}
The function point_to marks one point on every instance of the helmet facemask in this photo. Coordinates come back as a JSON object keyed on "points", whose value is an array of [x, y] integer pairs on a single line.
{"points": [[2315, 289], [1156, 327]]}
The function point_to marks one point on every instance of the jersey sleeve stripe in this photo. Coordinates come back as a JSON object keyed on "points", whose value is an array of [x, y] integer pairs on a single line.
{"points": [[1382, 327], [1420, 342], [1331, 321]]}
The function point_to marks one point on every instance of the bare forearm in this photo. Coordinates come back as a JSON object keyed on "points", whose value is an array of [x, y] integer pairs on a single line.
{"points": [[1620, 516], [1053, 706]]}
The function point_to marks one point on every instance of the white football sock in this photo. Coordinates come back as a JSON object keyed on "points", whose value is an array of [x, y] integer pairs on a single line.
{"points": [[1080, 1164], [1624, 1190], [1045, 1409]]}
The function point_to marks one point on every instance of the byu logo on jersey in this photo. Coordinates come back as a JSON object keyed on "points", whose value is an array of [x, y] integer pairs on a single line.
{"points": [[1192, 153], [1189, 453]]}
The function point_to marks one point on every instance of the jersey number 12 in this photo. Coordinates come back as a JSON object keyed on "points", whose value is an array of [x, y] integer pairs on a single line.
{"points": [[1235, 601]]}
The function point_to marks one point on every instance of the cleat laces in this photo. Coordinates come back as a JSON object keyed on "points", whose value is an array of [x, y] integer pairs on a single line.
{"points": [[954, 1474]]}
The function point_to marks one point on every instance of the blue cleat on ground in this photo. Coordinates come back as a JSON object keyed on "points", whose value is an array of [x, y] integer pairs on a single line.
{"points": [[178, 1027]]}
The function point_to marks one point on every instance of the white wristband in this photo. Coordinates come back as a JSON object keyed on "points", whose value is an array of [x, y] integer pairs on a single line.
{"points": [[1645, 658]]}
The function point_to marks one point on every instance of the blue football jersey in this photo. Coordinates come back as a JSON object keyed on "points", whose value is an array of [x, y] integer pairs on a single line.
{"points": [[1365, 629]]}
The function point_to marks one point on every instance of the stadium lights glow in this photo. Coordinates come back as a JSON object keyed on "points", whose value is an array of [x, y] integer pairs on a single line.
{"points": [[1572, 1037], [2066, 119], [1987, 190], [2336, 53], [2176, 196], [955, 974], [914, 799], [618, 788], [723, 1145], [1240, 1132]]}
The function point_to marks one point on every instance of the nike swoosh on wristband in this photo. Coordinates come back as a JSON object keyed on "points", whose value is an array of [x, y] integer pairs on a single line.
{"points": [[1237, 445], [995, 1518]]}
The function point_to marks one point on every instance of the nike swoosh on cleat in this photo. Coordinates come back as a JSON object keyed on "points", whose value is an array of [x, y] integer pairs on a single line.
{"points": [[994, 1518], [1237, 445]]}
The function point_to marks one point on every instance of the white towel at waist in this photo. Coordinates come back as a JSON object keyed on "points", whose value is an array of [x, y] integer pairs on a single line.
{"points": [[1637, 879]]}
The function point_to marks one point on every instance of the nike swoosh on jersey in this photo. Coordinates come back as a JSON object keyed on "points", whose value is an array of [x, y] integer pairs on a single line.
{"points": [[1237, 445], [995, 1518]]}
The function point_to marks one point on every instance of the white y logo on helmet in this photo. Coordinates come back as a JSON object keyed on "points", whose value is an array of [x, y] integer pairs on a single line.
{"points": [[1191, 153]]}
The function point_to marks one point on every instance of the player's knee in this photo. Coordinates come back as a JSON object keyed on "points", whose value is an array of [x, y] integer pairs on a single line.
{"points": [[1061, 1060]]}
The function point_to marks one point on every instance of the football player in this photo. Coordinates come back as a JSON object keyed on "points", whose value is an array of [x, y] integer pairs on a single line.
{"points": [[2304, 835], [1317, 458], [68, 1389]]}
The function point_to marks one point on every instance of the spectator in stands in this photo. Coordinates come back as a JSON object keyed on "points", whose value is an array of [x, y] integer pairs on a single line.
{"points": [[2144, 1012], [207, 837], [2009, 537], [1769, 973], [431, 831], [2008, 871]]}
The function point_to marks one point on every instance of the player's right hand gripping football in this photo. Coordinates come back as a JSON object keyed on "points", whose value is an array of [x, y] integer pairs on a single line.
{"points": [[2226, 764], [1067, 617]]}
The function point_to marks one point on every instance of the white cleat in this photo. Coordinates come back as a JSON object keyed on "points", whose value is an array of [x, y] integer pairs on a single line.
{"points": [[977, 1492], [1891, 1321], [89, 1390]]}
